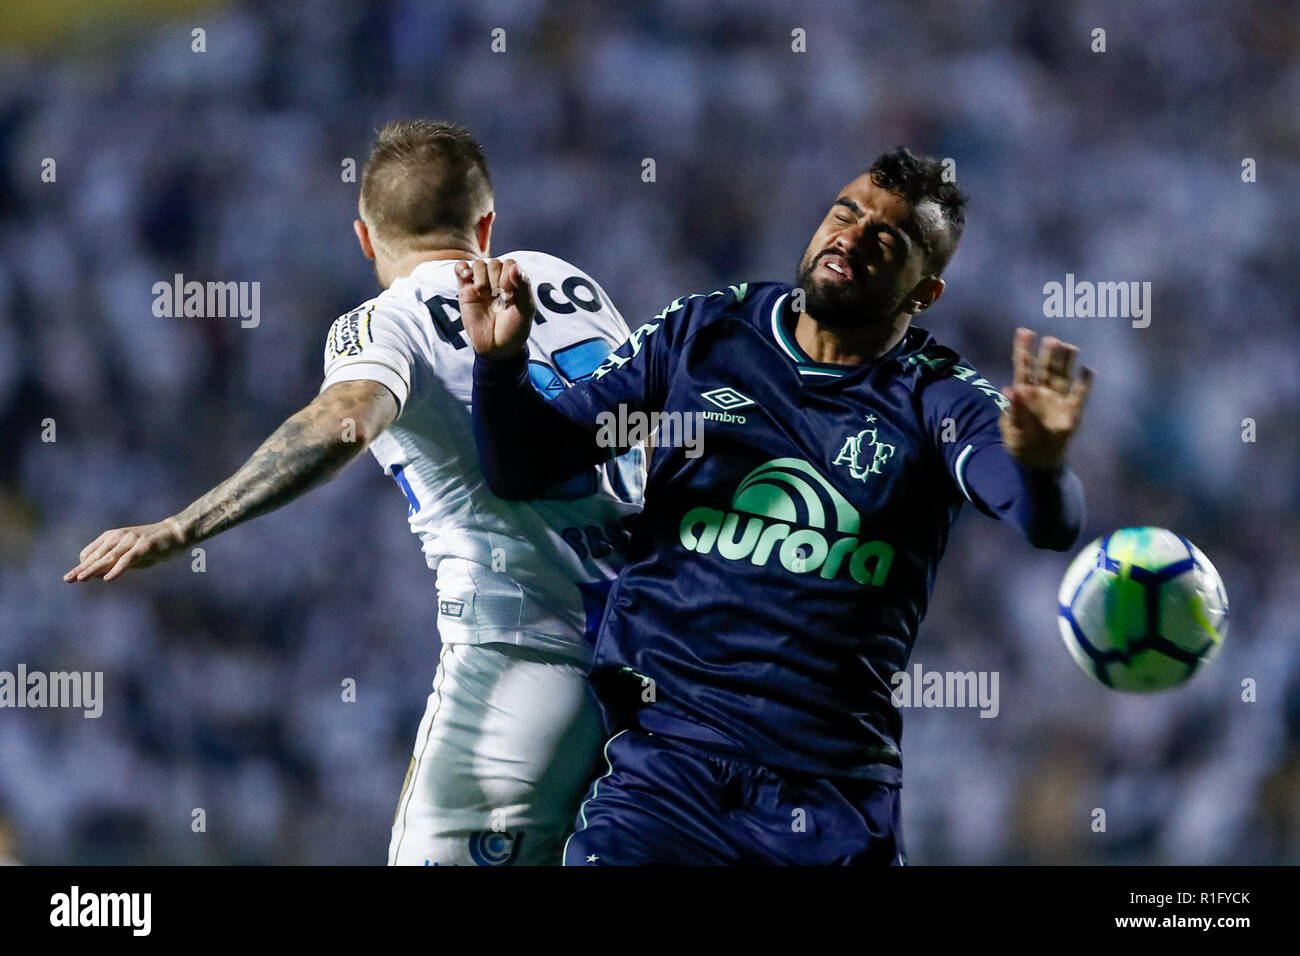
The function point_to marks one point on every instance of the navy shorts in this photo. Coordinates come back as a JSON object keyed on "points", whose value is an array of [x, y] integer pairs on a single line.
{"points": [[662, 802]]}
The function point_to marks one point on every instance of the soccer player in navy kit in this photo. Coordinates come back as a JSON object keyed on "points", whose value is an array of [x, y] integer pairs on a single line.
{"points": [[777, 581]]}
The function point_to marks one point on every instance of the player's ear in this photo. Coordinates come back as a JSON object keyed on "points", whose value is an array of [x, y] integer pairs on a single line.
{"points": [[483, 232], [925, 294], [363, 237]]}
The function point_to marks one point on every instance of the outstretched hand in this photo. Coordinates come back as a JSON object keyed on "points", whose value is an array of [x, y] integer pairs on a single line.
{"points": [[1047, 401], [139, 547], [496, 306]]}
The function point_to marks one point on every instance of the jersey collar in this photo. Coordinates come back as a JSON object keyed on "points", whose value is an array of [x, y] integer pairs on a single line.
{"points": [[785, 341], [813, 371]]}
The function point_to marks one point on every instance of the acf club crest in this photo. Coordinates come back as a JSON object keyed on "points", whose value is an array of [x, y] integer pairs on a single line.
{"points": [[864, 453]]}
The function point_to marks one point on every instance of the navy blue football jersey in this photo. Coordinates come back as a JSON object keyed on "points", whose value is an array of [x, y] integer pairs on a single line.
{"points": [[777, 579]]}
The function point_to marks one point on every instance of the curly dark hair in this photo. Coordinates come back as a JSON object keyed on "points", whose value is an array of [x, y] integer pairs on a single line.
{"points": [[918, 179]]}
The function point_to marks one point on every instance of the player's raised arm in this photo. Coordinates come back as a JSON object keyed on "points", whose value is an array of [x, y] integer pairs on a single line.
{"points": [[310, 447], [525, 443], [1012, 464], [1047, 401], [1038, 494]]}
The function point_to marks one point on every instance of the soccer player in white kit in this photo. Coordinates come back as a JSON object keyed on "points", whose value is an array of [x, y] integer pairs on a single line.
{"points": [[510, 737]]}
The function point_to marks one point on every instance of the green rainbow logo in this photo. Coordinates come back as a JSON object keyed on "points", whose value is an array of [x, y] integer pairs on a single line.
{"points": [[786, 501]]}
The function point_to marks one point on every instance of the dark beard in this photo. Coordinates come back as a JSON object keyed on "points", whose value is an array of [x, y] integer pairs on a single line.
{"points": [[843, 305]]}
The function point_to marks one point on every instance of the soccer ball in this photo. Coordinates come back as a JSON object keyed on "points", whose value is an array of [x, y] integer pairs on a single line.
{"points": [[1142, 609]]}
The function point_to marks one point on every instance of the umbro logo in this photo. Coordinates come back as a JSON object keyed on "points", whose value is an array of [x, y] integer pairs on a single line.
{"points": [[727, 398]]}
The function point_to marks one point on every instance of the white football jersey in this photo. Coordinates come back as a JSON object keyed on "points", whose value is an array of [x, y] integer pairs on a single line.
{"points": [[506, 571]]}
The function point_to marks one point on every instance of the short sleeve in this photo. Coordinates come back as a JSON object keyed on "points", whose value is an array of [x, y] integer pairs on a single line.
{"points": [[375, 343]]}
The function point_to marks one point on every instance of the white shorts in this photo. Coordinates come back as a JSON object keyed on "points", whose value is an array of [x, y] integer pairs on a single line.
{"points": [[509, 742]]}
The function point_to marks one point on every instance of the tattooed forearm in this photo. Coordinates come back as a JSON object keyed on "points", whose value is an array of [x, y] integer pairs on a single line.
{"points": [[297, 457], [309, 448]]}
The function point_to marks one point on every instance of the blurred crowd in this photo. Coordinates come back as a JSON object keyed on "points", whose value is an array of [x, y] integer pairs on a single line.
{"points": [[223, 677]]}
